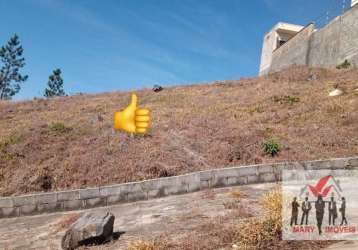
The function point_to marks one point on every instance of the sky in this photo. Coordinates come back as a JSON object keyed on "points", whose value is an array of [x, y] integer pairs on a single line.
{"points": [[121, 45]]}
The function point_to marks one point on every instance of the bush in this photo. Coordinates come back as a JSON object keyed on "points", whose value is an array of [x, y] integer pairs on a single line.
{"points": [[58, 128], [13, 139], [256, 109], [272, 203], [286, 99], [271, 147], [344, 65], [258, 233], [292, 99], [5, 144]]}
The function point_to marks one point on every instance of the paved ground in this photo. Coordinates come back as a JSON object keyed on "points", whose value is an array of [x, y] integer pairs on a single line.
{"points": [[345, 245], [176, 214]]}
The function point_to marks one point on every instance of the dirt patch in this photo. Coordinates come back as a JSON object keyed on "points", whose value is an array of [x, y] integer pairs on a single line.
{"points": [[68, 142]]}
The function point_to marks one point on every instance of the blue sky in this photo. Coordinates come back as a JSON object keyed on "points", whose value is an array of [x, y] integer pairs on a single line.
{"points": [[110, 45]]}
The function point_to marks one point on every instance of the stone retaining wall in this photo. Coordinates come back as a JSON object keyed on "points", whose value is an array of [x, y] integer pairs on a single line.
{"points": [[128, 192]]}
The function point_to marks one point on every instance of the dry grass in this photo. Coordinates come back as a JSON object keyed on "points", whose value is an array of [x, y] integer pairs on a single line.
{"points": [[65, 222], [193, 128], [266, 230], [208, 194], [238, 229], [156, 244], [237, 194]]}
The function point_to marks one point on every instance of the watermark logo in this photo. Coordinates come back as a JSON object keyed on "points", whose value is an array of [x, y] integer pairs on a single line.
{"points": [[320, 205]]}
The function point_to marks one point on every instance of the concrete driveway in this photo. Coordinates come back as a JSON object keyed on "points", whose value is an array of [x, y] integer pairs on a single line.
{"points": [[172, 215]]}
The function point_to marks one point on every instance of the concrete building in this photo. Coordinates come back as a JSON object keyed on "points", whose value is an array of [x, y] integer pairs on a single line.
{"points": [[278, 35], [288, 44]]}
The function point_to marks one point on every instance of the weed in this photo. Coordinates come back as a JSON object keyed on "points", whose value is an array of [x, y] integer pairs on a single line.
{"points": [[334, 108], [286, 99], [268, 132], [271, 147], [259, 232], [292, 99], [257, 109], [344, 65], [58, 128], [272, 203], [231, 205], [13, 139], [237, 194]]}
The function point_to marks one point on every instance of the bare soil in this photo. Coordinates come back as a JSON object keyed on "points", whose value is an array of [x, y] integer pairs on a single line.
{"points": [[68, 142]]}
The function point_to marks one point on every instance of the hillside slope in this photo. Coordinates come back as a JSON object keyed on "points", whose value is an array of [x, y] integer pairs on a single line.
{"points": [[68, 142]]}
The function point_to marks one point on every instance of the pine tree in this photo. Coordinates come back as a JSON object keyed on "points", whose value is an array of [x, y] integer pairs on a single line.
{"points": [[12, 61], [55, 85]]}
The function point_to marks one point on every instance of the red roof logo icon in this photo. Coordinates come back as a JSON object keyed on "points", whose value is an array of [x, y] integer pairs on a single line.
{"points": [[323, 187]]}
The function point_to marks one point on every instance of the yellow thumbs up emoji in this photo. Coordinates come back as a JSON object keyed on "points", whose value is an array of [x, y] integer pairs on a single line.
{"points": [[132, 119]]}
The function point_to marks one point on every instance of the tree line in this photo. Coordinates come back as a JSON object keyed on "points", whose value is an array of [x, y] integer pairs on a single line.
{"points": [[11, 63]]}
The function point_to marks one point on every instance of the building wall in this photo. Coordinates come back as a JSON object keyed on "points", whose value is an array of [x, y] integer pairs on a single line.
{"points": [[336, 42], [348, 48], [269, 45], [281, 31], [324, 48], [294, 51]]}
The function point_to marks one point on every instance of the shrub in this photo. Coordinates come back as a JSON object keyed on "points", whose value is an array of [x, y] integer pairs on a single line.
{"points": [[259, 233], [271, 147], [58, 128], [13, 139], [4, 144], [286, 99], [256, 109], [272, 203], [344, 65], [231, 204], [292, 99]]}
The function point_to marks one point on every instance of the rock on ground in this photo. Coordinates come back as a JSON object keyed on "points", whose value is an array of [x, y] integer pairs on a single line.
{"points": [[89, 228], [336, 92], [157, 88]]}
